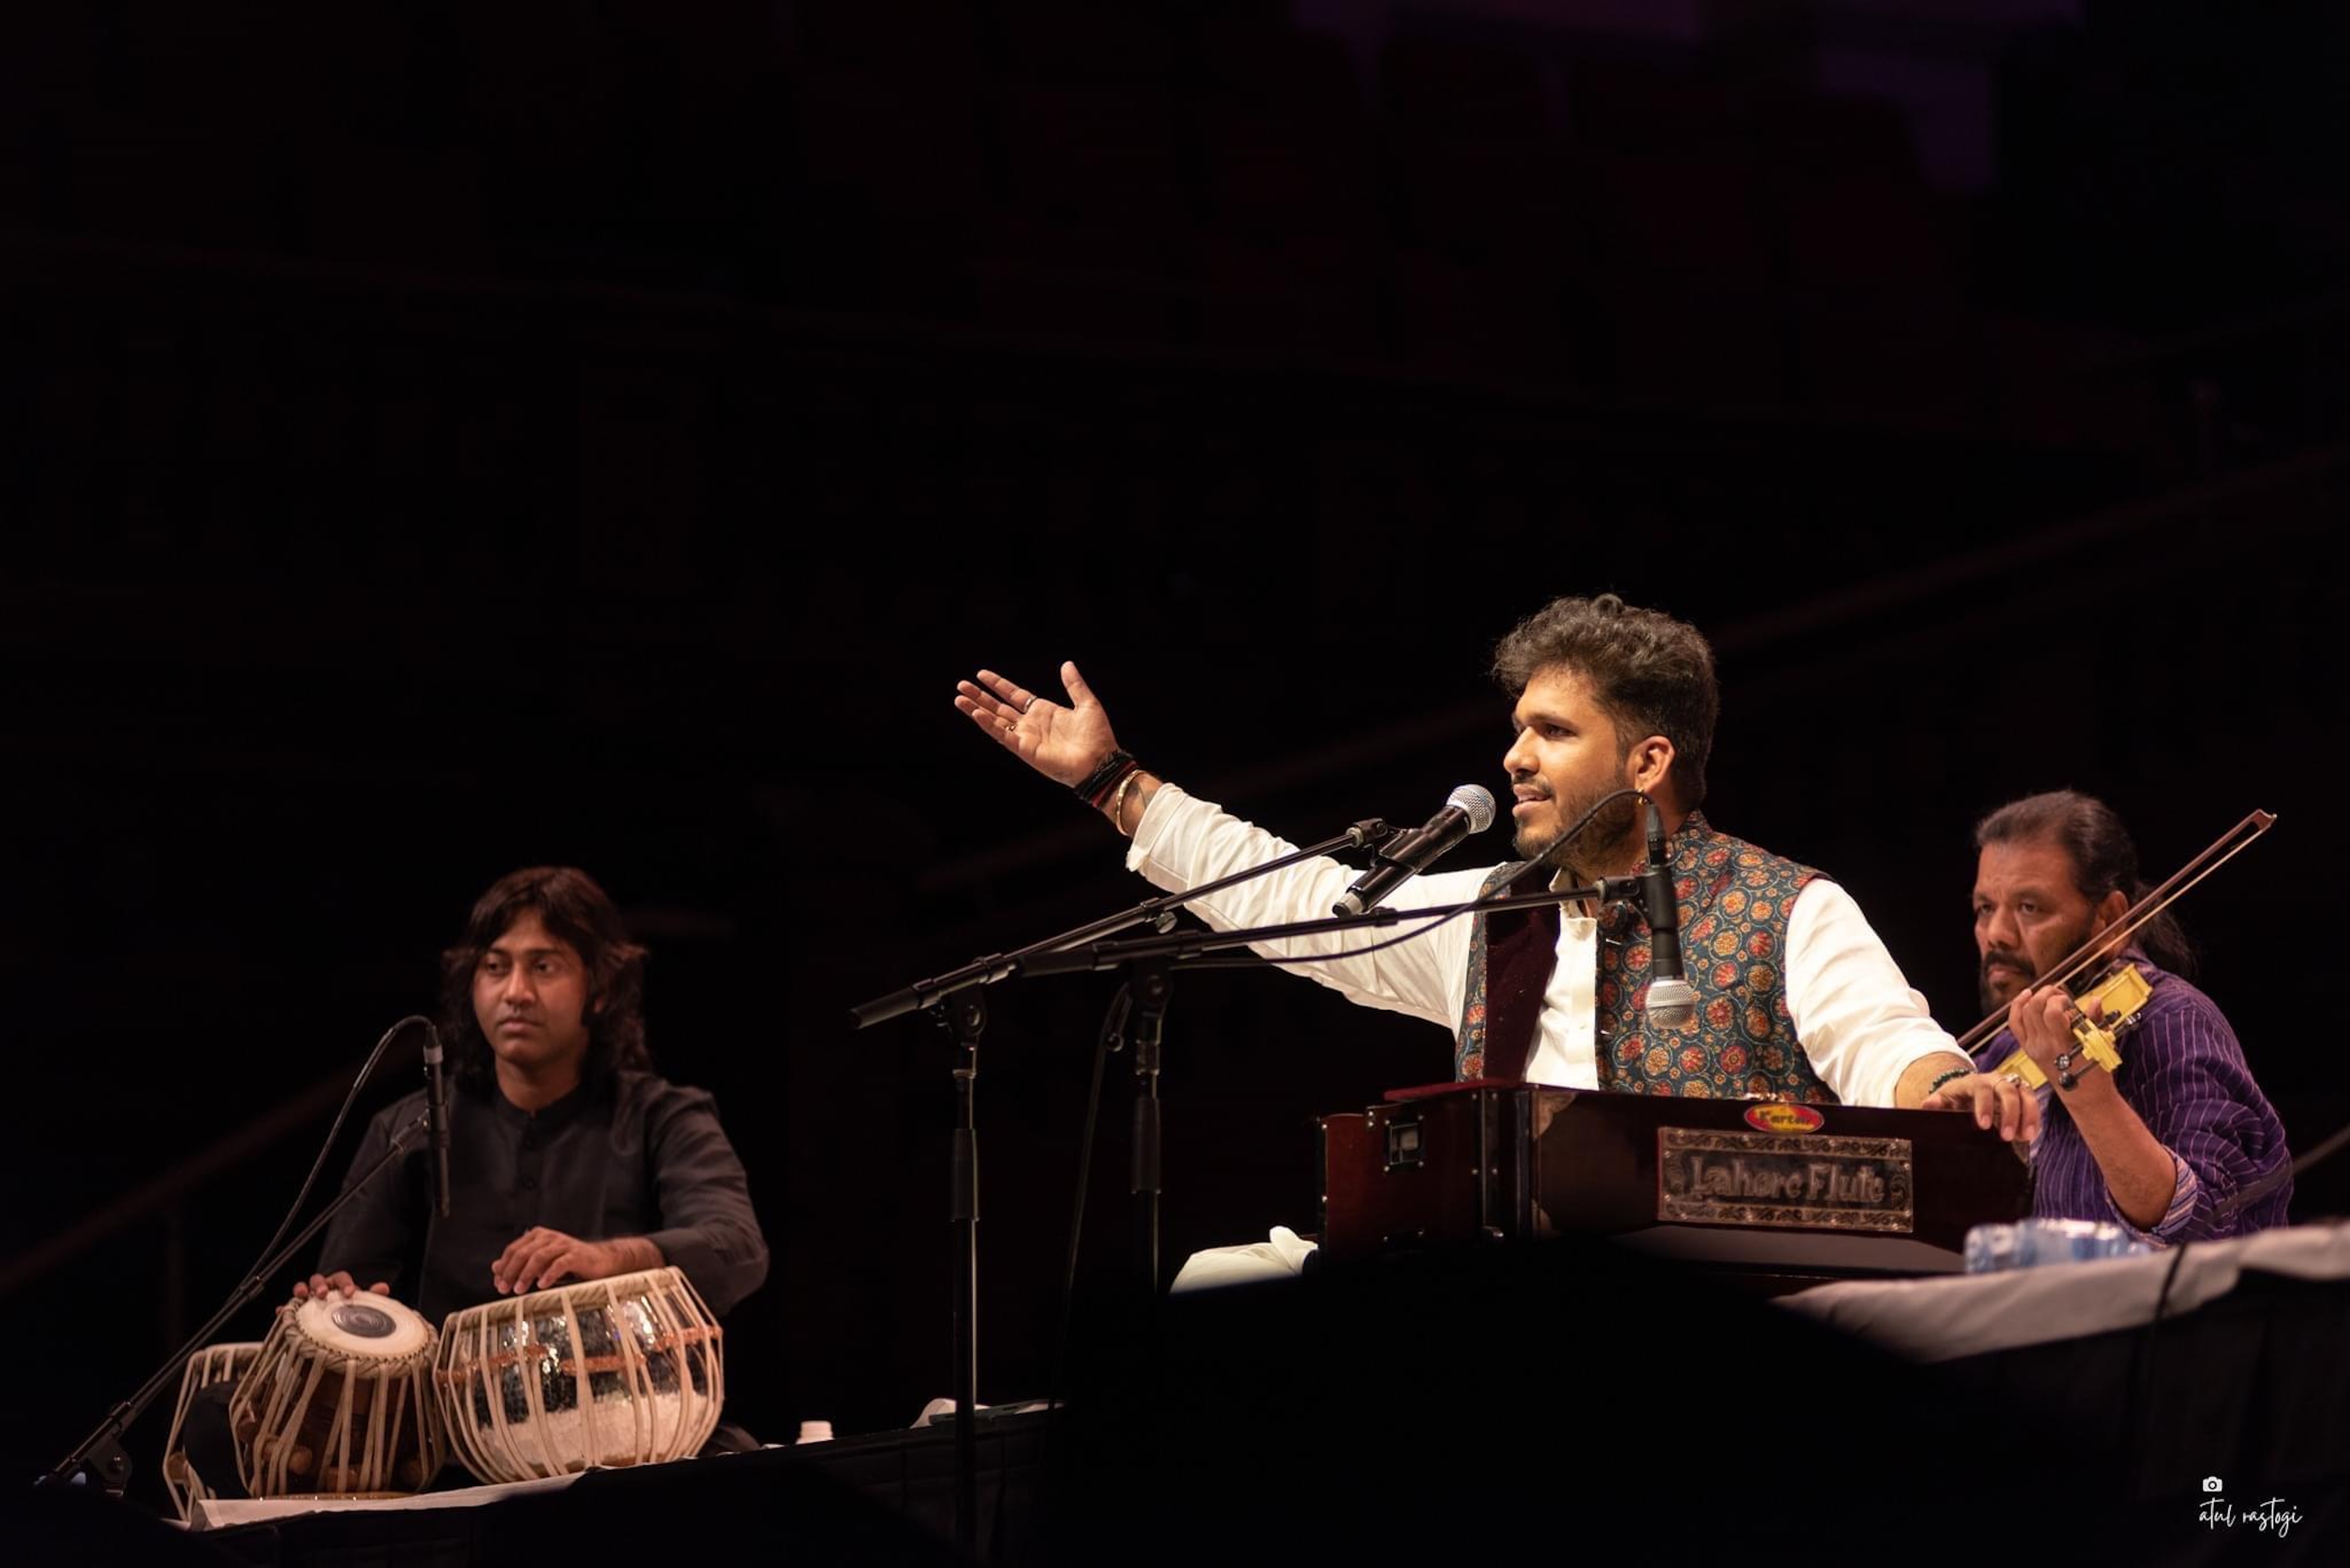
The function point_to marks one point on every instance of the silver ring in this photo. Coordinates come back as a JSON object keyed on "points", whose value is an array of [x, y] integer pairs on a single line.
{"points": [[2015, 1078], [1026, 706]]}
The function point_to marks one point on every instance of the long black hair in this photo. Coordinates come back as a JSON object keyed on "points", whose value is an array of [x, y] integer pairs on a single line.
{"points": [[571, 906]]}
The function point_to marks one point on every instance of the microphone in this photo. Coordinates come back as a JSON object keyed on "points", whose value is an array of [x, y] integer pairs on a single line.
{"points": [[436, 1110], [1671, 1003], [1468, 809]]}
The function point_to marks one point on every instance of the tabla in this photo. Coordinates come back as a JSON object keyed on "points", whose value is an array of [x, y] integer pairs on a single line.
{"points": [[339, 1402], [214, 1363], [620, 1371]]}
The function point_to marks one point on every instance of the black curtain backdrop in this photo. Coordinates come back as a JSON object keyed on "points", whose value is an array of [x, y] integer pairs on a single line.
{"points": [[458, 455]]}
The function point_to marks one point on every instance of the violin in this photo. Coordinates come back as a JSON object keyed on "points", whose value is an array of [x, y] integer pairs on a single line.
{"points": [[2107, 992], [2119, 993]]}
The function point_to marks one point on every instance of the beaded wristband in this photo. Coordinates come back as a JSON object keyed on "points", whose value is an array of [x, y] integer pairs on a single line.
{"points": [[1953, 1073], [1100, 801]]}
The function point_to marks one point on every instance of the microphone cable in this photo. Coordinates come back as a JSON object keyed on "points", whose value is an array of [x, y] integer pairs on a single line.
{"points": [[366, 1070]]}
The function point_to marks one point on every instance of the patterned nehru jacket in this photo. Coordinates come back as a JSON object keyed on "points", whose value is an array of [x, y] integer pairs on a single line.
{"points": [[1734, 900]]}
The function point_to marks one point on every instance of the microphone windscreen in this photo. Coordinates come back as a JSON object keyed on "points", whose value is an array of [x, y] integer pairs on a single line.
{"points": [[1671, 1003], [1477, 802]]}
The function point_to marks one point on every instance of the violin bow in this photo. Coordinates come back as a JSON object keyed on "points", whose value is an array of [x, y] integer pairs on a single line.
{"points": [[2222, 850]]}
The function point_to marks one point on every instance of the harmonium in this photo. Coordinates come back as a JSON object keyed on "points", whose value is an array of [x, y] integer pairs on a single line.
{"points": [[1778, 1194]]}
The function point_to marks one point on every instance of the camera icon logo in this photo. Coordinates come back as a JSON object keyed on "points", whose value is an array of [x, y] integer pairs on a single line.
{"points": [[2211, 1483]]}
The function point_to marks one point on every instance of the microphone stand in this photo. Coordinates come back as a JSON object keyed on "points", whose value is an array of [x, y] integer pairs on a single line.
{"points": [[1150, 962], [100, 1456], [966, 1019], [1210, 949], [1371, 833], [1149, 983]]}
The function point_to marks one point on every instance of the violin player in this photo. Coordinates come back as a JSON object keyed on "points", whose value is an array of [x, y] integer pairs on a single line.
{"points": [[2177, 1143]]}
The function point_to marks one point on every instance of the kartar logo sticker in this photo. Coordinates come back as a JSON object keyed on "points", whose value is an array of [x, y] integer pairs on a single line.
{"points": [[1776, 1116]]}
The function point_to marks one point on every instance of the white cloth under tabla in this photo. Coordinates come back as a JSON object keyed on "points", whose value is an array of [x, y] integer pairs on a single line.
{"points": [[219, 1513]]}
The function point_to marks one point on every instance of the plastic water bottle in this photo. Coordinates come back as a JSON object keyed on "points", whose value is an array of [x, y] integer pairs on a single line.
{"points": [[2028, 1243]]}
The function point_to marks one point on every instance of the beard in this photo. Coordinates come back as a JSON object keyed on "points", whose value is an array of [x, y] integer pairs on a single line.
{"points": [[1608, 841], [1992, 1002], [2025, 972]]}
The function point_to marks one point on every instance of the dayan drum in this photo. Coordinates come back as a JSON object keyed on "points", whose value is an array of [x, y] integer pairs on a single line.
{"points": [[622, 1371], [339, 1401], [212, 1363]]}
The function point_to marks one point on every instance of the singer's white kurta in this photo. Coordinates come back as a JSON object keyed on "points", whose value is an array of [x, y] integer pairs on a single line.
{"points": [[1858, 1020]]}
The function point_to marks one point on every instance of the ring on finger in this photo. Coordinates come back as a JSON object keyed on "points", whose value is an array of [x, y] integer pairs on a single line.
{"points": [[2014, 1078]]}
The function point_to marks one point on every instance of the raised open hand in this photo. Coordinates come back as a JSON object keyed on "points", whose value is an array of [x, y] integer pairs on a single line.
{"points": [[1064, 742]]}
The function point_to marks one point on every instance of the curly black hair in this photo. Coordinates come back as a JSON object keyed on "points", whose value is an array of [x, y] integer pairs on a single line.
{"points": [[1650, 674]]}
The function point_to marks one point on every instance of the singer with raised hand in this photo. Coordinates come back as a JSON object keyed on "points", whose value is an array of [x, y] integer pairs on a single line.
{"points": [[1785, 992]]}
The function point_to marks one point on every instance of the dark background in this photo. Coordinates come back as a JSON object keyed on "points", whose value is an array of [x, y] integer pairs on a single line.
{"points": [[441, 439]]}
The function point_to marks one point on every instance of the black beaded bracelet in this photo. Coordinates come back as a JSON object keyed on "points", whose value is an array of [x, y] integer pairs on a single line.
{"points": [[1117, 779], [1953, 1073], [1099, 783]]}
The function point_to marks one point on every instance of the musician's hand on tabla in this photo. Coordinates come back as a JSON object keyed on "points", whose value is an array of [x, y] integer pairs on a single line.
{"points": [[1064, 744], [340, 1280], [539, 1257]]}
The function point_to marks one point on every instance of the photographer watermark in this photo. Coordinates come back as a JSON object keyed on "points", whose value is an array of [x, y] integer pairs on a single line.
{"points": [[2274, 1516]]}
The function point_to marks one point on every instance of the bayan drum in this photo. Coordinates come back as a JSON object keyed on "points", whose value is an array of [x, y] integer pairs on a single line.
{"points": [[622, 1371], [339, 1402], [212, 1363]]}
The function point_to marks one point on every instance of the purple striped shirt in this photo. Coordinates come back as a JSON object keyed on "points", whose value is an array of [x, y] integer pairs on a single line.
{"points": [[2185, 1075]]}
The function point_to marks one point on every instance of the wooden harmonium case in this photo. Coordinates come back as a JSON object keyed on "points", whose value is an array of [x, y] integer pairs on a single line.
{"points": [[1817, 1191]]}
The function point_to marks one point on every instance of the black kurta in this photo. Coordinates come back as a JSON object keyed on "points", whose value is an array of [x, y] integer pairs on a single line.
{"points": [[635, 1156]]}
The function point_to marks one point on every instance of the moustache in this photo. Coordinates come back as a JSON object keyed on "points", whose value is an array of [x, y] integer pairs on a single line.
{"points": [[1996, 957]]}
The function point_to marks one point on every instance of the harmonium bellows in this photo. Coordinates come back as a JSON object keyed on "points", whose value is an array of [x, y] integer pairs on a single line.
{"points": [[1762, 1187]]}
